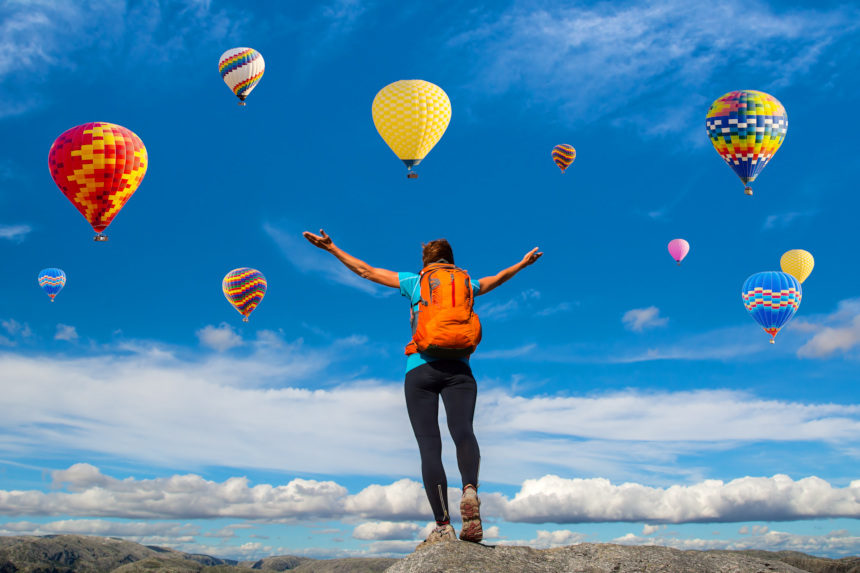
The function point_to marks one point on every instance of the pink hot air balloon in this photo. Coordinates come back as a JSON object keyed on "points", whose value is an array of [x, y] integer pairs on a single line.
{"points": [[679, 248]]}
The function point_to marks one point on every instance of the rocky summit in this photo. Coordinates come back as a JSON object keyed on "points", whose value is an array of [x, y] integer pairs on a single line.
{"points": [[603, 558]]}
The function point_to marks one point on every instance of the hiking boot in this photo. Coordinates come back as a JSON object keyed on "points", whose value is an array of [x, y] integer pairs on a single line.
{"points": [[439, 534], [470, 511]]}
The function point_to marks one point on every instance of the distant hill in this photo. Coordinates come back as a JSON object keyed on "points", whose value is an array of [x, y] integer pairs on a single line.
{"points": [[85, 554]]}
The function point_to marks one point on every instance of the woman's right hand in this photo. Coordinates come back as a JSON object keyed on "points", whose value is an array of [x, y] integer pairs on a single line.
{"points": [[531, 257], [322, 240]]}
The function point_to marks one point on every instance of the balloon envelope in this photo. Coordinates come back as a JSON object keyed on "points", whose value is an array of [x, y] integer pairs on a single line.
{"points": [[678, 248], [798, 263], [244, 288], [411, 116], [241, 69], [563, 155], [98, 167], [747, 127], [52, 281], [771, 298]]}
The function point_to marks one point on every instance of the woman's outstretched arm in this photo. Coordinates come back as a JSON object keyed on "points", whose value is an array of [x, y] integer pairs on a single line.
{"points": [[359, 267], [489, 283]]}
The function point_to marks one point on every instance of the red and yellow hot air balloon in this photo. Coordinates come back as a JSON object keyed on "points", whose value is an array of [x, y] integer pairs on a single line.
{"points": [[98, 167]]}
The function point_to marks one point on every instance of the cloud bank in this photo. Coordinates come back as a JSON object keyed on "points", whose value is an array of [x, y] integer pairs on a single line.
{"points": [[83, 490]]}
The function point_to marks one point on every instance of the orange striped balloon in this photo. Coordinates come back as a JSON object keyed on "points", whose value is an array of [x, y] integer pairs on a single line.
{"points": [[563, 155]]}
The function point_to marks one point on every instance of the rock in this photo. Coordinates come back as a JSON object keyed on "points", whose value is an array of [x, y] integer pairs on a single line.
{"points": [[463, 557]]}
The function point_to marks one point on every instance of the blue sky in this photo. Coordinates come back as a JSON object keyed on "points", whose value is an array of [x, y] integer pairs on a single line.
{"points": [[621, 398]]}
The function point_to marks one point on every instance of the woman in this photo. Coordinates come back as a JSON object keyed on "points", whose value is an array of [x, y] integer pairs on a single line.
{"points": [[428, 378]]}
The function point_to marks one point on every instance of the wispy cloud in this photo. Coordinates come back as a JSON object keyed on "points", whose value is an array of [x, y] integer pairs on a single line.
{"points": [[309, 259], [39, 40], [528, 301], [16, 329], [639, 319], [16, 233], [131, 401], [783, 220], [664, 53]]}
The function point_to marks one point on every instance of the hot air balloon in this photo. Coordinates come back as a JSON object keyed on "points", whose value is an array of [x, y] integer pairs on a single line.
{"points": [[52, 281], [771, 298], [563, 155], [411, 116], [244, 288], [798, 263], [746, 128], [679, 248], [98, 167], [241, 69]]}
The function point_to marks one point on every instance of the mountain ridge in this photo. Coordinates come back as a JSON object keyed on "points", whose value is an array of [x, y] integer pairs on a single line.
{"points": [[92, 554]]}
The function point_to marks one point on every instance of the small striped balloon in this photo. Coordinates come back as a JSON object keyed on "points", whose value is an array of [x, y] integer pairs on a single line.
{"points": [[244, 288], [241, 69], [563, 155], [52, 281], [771, 298]]}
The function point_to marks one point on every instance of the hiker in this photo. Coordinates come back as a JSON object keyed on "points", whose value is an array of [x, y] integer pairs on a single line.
{"points": [[437, 364]]}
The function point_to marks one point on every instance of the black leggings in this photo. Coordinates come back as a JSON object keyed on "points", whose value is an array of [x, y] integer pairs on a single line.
{"points": [[452, 379]]}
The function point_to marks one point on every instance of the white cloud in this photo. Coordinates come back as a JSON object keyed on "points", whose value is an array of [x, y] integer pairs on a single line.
{"points": [[836, 332], [83, 491], [310, 259], [651, 529], [555, 499], [402, 500], [16, 233], [548, 539], [385, 530], [145, 532], [492, 532], [66, 332], [220, 338], [663, 53], [639, 319], [838, 542]]}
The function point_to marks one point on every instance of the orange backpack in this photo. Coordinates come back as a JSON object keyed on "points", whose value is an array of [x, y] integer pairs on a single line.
{"points": [[445, 324]]}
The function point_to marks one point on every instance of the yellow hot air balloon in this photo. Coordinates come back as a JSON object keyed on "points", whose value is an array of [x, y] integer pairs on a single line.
{"points": [[798, 263], [411, 116]]}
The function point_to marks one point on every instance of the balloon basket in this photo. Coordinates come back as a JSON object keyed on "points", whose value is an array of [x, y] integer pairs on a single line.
{"points": [[52, 299], [679, 263], [245, 319], [241, 103], [100, 238], [772, 341], [748, 191], [412, 175]]}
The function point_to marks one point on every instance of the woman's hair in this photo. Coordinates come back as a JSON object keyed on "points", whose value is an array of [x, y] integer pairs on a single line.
{"points": [[436, 250]]}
